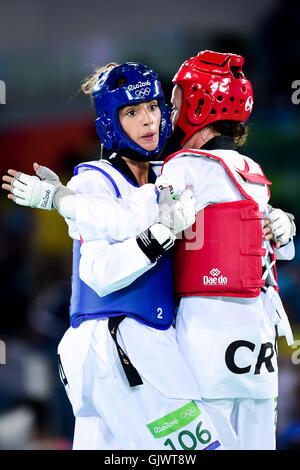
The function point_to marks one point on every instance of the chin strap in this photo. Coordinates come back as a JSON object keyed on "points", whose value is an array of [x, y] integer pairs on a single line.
{"points": [[282, 225]]}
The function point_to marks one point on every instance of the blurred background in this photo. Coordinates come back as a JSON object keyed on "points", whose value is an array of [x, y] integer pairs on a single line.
{"points": [[47, 48]]}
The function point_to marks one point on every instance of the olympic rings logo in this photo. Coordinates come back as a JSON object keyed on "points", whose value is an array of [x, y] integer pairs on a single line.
{"points": [[143, 92], [188, 413]]}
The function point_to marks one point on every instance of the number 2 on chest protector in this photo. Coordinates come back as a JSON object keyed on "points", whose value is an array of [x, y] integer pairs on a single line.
{"points": [[159, 313]]}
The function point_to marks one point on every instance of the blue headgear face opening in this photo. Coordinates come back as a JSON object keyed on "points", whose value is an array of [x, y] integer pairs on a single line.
{"points": [[137, 83]]}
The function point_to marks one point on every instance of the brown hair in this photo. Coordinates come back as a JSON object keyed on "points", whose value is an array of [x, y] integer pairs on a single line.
{"points": [[234, 129]]}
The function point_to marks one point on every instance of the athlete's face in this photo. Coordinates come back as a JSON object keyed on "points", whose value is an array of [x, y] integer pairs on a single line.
{"points": [[176, 101], [141, 123]]}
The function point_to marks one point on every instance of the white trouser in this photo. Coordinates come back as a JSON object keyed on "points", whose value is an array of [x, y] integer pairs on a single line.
{"points": [[244, 423], [165, 412]]}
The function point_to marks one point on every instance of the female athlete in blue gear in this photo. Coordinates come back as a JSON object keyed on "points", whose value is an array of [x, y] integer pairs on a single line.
{"points": [[127, 382]]}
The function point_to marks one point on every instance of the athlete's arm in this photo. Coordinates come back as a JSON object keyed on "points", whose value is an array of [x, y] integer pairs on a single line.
{"points": [[100, 214], [107, 267], [91, 202]]}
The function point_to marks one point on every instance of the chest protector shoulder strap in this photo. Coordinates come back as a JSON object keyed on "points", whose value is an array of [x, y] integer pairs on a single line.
{"points": [[221, 254]]}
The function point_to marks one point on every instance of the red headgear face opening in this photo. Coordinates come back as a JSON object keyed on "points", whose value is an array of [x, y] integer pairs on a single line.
{"points": [[214, 89]]}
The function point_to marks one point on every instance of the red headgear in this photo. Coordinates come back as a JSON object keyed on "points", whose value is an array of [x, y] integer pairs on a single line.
{"points": [[214, 89]]}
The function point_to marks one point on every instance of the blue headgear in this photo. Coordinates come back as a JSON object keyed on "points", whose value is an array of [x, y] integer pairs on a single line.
{"points": [[140, 84]]}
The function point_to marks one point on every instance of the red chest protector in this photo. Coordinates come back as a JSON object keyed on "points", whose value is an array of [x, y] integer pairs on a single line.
{"points": [[221, 254]]}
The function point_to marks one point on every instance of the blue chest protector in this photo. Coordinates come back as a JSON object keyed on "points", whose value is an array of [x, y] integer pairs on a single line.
{"points": [[149, 299]]}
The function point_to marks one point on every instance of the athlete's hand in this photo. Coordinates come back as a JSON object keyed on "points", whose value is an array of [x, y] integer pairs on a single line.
{"points": [[176, 212], [43, 191], [279, 226]]}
